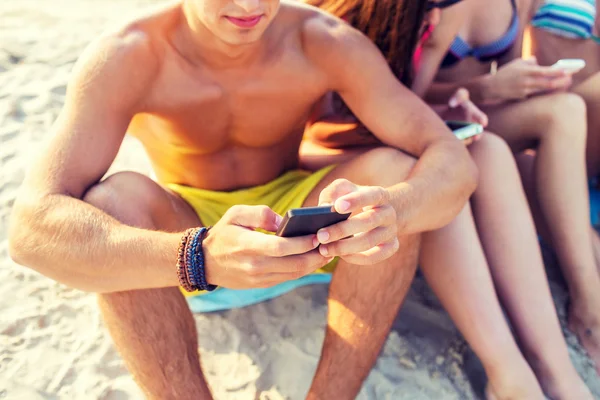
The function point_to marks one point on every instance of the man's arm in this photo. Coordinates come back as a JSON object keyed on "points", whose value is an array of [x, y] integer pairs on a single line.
{"points": [[52, 230], [444, 176]]}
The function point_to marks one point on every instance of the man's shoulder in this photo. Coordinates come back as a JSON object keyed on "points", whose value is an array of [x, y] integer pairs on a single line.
{"points": [[128, 53], [326, 40], [317, 27]]}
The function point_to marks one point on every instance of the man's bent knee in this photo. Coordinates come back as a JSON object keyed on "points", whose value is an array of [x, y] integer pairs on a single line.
{"points": [[126, 196], [386, 166]]}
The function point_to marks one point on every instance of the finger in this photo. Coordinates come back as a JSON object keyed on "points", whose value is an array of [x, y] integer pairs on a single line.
{"points": [[359, 243], [253, 217], [277, 246], [469, 141], [374, 255], [562, 83], [460, 96], [543, 84], [294, 266], [532, 60], [481, 118], [367, 196], [359, 223], [335, 189], [547, 72], [270, 280], [475, 114]]}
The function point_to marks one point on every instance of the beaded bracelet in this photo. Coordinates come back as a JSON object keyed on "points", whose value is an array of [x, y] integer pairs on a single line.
{"points": [[190, 261], [182, 261]]}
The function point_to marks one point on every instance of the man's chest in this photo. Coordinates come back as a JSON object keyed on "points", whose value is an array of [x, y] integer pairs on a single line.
{"points": [[258, 108]]}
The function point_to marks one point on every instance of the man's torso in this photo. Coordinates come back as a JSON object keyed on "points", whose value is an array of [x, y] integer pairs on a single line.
{"points": [[227, 128]]}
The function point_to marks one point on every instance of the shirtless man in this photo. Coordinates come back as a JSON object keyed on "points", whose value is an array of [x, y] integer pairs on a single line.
{"points": [[219, 92]]}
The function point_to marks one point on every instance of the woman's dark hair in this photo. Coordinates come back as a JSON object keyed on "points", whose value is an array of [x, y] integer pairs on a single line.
{"points": [[393, 25]]}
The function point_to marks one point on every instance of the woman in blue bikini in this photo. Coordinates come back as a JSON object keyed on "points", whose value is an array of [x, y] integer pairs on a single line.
{"points": [[530, 107]]}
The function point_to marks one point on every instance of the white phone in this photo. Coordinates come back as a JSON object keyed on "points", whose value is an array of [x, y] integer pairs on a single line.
{"points": [[570, 65], [464, 130]]}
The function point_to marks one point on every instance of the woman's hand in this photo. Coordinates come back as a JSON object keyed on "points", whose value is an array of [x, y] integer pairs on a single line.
{"points": [[522, 78]]}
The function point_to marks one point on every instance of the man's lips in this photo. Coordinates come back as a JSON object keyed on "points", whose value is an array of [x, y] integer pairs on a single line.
{"points": [[245, 22]]}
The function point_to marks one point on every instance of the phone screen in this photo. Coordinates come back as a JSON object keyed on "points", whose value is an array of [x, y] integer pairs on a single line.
{"points": [[464, 130], [308, 220], [456, 125]]}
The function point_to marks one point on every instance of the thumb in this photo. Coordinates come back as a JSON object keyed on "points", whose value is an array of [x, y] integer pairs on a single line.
{"points": [[532, 60], [254, 217], [460, 96], [334, 191]]}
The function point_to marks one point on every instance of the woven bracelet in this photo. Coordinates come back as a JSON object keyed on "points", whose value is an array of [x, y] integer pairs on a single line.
{"points": [[198, 261]]}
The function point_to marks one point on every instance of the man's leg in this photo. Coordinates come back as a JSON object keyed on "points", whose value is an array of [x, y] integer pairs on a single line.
{"points": [[363, 300], [153, 329]]}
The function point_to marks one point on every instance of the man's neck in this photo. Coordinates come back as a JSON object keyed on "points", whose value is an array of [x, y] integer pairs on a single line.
{"points": [[201, 46]]}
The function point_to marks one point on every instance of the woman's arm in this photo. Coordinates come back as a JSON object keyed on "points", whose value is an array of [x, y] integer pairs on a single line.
{"points": [[434, 49]]}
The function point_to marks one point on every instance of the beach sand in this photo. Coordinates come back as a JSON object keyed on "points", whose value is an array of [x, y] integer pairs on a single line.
{"points": [[53, 344]]}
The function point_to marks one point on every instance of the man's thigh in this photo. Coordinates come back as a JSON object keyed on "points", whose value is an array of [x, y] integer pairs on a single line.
{"points": [[382, 166], [137, 200]]}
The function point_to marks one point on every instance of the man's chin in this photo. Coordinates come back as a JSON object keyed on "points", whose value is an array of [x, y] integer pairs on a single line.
{"points": [[242, 40]]}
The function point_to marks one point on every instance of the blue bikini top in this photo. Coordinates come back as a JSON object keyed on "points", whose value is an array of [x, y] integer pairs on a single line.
{"points": [[460, 49]]}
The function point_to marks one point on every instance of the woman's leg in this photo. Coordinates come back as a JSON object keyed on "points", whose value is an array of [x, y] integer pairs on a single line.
{"points": [[509, 240], [589, 90], [454, 265], [526, 162], [556, 126]]}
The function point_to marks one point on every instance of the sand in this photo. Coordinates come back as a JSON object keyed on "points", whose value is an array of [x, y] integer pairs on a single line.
{"points": [[53, 344]]}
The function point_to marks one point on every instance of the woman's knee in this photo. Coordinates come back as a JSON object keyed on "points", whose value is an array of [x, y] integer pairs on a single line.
{"points": [[489, 150], [564, 115], [126, 196]]}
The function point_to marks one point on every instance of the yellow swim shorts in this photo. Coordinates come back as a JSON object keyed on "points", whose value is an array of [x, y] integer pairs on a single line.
{"points": [[288, 191]]}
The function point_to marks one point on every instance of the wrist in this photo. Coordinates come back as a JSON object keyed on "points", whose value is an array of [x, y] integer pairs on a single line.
{"points": [[191, 261], [210, 265], [489, 90], [401, 196]]}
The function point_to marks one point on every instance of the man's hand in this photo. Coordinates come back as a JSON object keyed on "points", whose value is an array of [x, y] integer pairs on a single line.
{"points": [[369, 236], [239, 257], [522, 78]]}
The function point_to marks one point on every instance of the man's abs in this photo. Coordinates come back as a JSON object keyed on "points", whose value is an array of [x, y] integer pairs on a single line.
{"points": [[230, 166]]}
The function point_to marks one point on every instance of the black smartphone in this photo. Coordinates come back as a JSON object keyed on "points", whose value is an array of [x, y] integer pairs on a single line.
{"points": [[308, 220]]}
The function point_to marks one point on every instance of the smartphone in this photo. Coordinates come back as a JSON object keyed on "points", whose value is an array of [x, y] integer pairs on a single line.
{"points": [[308, 220], [570, 65], [464, 130]]}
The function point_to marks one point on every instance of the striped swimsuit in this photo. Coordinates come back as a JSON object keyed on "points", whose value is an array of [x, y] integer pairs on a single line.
{"points": [[574, 19]]}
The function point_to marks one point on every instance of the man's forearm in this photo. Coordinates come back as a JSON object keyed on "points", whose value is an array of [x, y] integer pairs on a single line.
{"points": [[437, 189], [79, 245]]}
